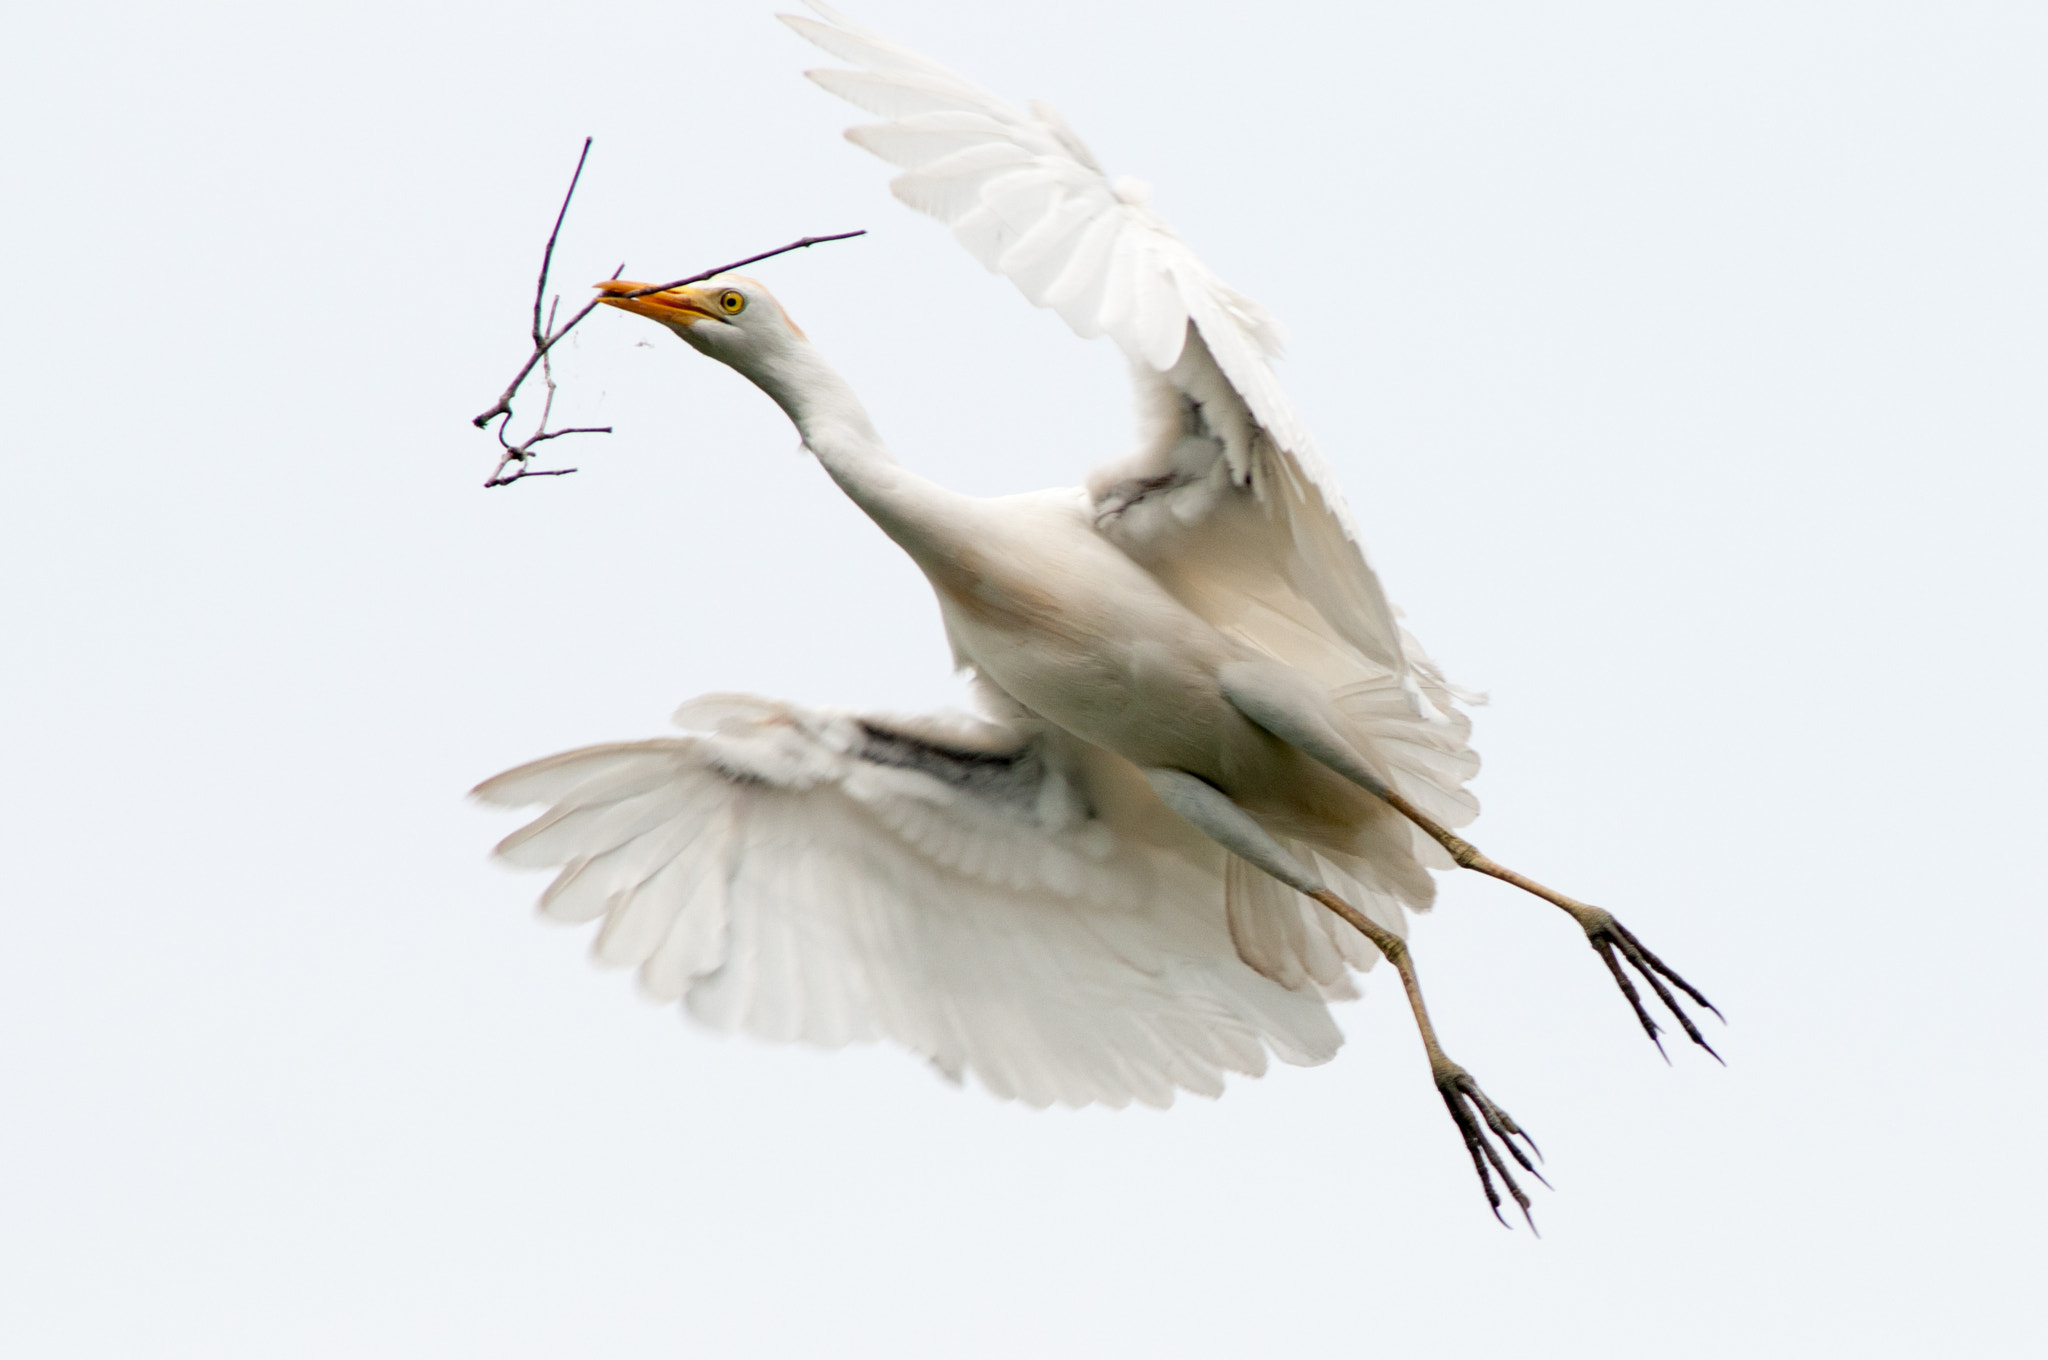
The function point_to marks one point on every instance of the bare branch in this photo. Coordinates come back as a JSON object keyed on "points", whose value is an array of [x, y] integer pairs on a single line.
{"points": [[547, 257], [546, 336], [524, 473], [541, 342], [522, 453], [737, 264], [574, 429]]}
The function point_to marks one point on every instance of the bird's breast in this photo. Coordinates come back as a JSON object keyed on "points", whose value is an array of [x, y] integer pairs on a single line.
{"points": [[1068, 626]]}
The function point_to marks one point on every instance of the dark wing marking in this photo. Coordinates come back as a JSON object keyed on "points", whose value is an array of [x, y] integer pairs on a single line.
{"points": [[1005, 776]]}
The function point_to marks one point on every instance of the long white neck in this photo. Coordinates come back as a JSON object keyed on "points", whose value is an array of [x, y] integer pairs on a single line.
{"points": [[922, 516]]}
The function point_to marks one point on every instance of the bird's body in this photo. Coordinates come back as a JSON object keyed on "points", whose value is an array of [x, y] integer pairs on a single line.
{"points": [[1212, 772], [1037, 601], [1059, 621], [1065, 628]]}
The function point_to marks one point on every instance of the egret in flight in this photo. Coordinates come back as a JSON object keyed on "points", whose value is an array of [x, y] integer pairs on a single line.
{"points": [[1212, 772]]}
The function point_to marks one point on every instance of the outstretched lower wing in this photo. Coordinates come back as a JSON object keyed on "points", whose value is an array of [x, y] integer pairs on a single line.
{"points": [[943, 883]]}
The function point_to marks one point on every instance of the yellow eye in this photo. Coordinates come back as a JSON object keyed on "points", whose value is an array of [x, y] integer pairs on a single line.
{"points": [[732, 302]]}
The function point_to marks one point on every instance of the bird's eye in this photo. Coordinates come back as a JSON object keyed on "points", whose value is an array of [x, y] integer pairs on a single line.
{"points": [[732, 302]]}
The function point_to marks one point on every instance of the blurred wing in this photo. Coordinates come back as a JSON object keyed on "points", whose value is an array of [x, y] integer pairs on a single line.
{"points": [[939, 882], [1227, 500]]}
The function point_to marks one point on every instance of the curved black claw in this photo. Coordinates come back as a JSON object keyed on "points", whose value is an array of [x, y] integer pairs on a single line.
{"points": [[1459, 1090], [1613, 942]]}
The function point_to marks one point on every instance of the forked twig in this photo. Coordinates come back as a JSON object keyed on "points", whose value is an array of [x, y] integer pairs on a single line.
{"points": [[521, 453], [546, 336]]}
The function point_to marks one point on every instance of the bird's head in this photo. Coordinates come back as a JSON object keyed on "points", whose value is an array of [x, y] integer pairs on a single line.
{"points": [[733, 319]]}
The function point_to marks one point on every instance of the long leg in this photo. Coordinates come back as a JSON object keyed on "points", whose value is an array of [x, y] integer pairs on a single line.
{"points": [[1291, 707], [1609, 937], [1225, 822]]}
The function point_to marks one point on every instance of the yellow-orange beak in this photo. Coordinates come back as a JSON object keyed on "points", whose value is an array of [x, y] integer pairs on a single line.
{"points": [[676, 307]]}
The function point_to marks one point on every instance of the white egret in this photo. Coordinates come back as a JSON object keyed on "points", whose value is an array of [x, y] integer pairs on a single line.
{"points": [[1213, 772]]}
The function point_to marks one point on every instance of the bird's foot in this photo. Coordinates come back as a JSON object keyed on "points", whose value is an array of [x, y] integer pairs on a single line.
{"points": [[1616, 945], [1611, 940], [1476, 1117]]}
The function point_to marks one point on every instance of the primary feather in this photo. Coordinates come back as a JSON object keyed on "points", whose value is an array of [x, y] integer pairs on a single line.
{"points": [[828, 877]]}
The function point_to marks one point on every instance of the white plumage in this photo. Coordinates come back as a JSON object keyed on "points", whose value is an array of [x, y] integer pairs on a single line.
{"points": [[828, 878], [1213, 770]]}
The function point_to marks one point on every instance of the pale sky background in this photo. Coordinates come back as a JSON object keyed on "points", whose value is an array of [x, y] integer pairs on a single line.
{"points": [[1684, 363]]}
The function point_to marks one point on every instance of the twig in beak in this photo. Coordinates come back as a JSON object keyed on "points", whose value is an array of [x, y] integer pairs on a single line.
{"points": [[546, 336]]}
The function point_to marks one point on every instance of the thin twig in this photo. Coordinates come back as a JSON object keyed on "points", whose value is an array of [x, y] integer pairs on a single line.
{"points": [[574, 429], [522, 452], [541, 344], [736, 264], [546, 336], [547, 257], [526, 472], [504, 402]]}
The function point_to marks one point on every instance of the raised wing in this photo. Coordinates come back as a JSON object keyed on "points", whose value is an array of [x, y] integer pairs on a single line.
{"points": [[1226, 500], [943, 883]]}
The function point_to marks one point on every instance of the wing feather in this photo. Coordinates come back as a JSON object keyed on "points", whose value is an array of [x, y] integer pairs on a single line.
{"points": [[829, 878], [696, 944]]}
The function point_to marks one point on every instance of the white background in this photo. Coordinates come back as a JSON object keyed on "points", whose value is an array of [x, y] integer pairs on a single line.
{"points": [[1683, 362]]}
